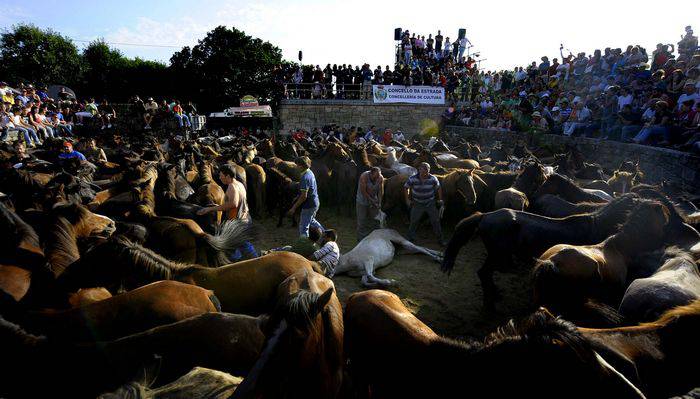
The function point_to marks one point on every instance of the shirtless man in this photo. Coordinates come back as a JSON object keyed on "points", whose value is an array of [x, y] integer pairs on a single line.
{"points": [[235, 206]]}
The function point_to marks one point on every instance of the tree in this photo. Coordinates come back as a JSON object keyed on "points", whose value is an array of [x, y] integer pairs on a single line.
{"points": [[224, 66], [29, 54]]}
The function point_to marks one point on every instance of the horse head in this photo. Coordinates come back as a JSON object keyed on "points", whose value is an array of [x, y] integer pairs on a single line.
{"points": [[85, 223], [304, 342]]}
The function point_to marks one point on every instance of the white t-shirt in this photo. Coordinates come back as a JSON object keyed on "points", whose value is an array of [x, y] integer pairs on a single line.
{"points": [[624, 100]]}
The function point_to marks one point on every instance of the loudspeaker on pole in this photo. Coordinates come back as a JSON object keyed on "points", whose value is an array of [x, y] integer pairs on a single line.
{"points": [[462, 33], [397, 34]]}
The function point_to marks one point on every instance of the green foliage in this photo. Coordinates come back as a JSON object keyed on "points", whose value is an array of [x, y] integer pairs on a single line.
{"points": [[29, 54], [224, 66]]}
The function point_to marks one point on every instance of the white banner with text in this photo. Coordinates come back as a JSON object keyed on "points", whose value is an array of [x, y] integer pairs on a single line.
{"points": [[408, 94]]}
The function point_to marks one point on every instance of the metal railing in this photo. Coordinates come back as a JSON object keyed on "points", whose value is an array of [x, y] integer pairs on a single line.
{"points": [[328, 91]]}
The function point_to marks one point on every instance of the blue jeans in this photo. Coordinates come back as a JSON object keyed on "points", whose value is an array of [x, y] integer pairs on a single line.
{"points": [[246, 249], [182, 119], [629, 131], [29, 135], [308, 218], [651, 133]]}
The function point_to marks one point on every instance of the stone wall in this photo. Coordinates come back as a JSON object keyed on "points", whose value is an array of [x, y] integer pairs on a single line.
{"points": [[657, 163], [308, 114]]}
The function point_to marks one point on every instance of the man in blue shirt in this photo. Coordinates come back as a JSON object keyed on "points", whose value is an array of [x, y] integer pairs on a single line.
{"points": [[421, 191], [68, 152], [307, 199]]}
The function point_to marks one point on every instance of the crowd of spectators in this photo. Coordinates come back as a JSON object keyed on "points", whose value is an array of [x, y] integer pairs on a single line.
{"points": [[34, 115], [627, 95], [419, 61]]}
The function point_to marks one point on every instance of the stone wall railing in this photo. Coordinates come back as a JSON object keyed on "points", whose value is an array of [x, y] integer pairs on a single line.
{"points": [[657, 163], [310, 114]]}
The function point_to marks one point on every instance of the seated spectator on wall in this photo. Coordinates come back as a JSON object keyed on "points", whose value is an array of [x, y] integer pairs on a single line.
{"points": [[182, 119], [107, 115], [658, 128]]}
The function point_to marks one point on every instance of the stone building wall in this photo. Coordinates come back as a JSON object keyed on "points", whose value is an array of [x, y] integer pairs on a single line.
{"points": [[308, 114], [657, 163]]}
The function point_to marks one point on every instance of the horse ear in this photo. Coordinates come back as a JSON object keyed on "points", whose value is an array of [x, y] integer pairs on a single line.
{"points": [[322, 301]]}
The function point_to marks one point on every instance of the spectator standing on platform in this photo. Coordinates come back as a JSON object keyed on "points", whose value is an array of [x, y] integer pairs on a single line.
{"points": [[421, 192], [307, 199], [438, 43], [370, 190]]}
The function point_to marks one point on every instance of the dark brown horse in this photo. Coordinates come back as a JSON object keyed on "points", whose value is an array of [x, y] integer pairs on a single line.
{"points": [[566, 275], [303, 355], [509, 234], [152, 305], [565, 188], [392, 354], [557, 207]]}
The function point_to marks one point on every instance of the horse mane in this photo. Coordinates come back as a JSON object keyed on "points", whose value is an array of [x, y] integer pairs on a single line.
{"points": [[675, 213], [674, 255], [299, 309], [61, 244], [541, 328], [146, 260], [674, 315], [613, 205]]}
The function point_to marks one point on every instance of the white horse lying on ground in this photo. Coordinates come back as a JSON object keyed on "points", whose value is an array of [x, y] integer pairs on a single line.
{"points": [[375, 251], [393, 163]]}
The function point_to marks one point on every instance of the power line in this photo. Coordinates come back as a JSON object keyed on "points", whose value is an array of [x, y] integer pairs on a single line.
{"points": [[128, 44]]}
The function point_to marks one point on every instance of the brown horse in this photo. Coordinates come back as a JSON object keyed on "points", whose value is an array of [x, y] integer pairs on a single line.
{"points": [[22, 257], [152, 305], [246, 287], [509, 234], [392, 354], [303, 355], [87, 296], [65, 224], [256, 178], [567, 275], [207, 191], [656, 354]]}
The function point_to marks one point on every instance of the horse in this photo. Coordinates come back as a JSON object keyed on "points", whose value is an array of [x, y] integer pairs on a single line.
{"points": [[679, 230], [565, 188], [655, 354], [566, 275], [22, 260], [392, 354], [207, 192], [675, 283], [622, 182], [376, 251], [168, 204], [392, 162], [87, 296], [246, 287], [257, 180], [509, 234], [281, 191], [155, 304], [303, 354], [555, 207], [64, 225]]}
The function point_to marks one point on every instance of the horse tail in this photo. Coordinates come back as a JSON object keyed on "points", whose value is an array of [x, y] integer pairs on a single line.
{"points": [[464, 232], [230, 235], [215, 301], [599, 315]]}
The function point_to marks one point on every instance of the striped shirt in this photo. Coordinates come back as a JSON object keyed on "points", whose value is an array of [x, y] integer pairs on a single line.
{"points": [[422, 191], [328, 256]]}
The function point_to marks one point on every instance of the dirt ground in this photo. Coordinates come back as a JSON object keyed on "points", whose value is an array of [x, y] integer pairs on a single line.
{"points": [[452, 305]]}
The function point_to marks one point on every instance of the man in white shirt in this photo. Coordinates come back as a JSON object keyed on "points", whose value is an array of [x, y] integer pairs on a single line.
{"points": [[463, 46], [398, 136], [624, 98]]}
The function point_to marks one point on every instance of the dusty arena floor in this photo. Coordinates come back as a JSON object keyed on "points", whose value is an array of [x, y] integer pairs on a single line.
{"points": [[452, 305]]}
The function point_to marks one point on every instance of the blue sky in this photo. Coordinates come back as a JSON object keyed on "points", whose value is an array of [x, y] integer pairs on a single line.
{"points": [[506, 33]]}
